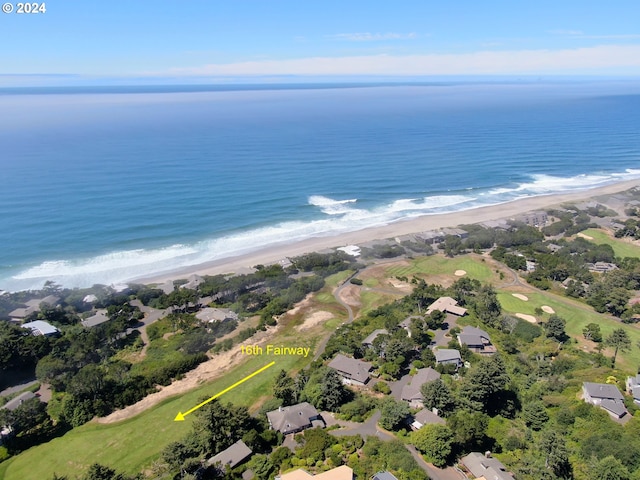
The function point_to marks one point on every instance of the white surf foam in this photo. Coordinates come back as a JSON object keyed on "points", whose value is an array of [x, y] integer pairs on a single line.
{"points": [[339, 216]]}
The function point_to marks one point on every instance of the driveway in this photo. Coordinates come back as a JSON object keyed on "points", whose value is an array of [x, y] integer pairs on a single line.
{"points": [[368, 428], [434, 473]]}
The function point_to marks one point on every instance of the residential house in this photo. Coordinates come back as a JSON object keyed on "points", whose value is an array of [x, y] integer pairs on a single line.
{"points": [[342, 472], [96, 319], [353, 250], [194, 281], [231, 457], [430, 237], [633, 388], [485, 467], [477, 340], [384, 476], [33, 306], [295, 418], [447, 305], [211, 315], [40, 327], [606, 396], [368, 341], [426, 417], [411, 392], [601, 267], [353, 372], [535, 219], [456, 232], [448, 356]]}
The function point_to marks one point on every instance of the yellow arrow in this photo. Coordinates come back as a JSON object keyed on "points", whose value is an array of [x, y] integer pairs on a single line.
{"points": [[180, 416]]}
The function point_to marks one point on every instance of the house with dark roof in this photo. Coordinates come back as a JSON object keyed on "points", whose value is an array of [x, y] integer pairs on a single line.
{"points": [[231, 457], [33, 306], [40, 327], [352, 371], [411, 391], [295, 418], [426, 417], [212, 315], [477, 340], [368, 341], [485, 467], [448, 356], [447, 305], [633, 388], [96, 319], [606, 396], [384, 476]]}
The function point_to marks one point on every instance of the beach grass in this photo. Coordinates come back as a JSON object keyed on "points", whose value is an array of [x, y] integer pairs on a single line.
{"points": [[132, 445], [620, 247], [577, 316]]}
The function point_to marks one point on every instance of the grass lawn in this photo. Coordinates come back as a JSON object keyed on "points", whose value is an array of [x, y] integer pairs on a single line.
{"points": [[577, 316], [133, 444], [621, 248], [439, 265]]}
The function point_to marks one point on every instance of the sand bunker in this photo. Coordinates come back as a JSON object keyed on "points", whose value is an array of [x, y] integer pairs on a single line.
{"points": [[459, 273], [547, 309], [314, 319], [580, 234], [521, 297], [528, 318]]}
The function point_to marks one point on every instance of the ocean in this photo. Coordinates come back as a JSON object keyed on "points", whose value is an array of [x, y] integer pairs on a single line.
{"points": [[107, 185]]}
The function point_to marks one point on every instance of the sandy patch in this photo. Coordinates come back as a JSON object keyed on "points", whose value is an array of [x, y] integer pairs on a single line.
{"points": [[315, 319], [459, 273], [547, 309], [350, 295], [403, 286], [528, 318], [521, 297], [205, 372], [582, 235]]}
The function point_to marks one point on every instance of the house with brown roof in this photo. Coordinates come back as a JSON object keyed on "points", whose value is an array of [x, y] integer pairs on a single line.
{"points": [[485, 467], [295, 418], [352, 371], [342, 472], [426, 417], [447, 305], [411, 391]]}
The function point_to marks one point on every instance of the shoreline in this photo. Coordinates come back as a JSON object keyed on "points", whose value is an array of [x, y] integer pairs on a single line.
{"points": [[244, 263]]}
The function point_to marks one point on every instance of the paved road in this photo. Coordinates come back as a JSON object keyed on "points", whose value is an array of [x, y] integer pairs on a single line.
{"points": [[368, 428], [17, 388], [150, 315], [434, 473]]}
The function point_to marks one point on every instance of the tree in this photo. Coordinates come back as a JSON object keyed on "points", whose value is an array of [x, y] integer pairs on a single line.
{"points": [[393, 414], [592, 332], [436, 394], [469, 428], [620, 341], [554, 328], [610, 468], [535, 415], [487, 307], [435, 442], [285, 389], [554, 450], [483, 387]]}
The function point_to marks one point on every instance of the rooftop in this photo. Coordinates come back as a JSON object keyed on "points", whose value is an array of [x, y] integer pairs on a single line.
{"points": [[447, 354], [488, 467], [447, 304], [603, 391], [293, 417], [232, 456], [339, 473], [411, 390], [40, 327], [354, 369]]}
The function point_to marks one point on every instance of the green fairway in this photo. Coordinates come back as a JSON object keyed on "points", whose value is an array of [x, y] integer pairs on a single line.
{"points": [[621, 248], [133, 444], [577, 316], [439, 265]]}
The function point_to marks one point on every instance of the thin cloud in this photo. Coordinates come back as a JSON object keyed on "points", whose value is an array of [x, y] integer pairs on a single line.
{"points": [[581, 35], [600, 59], [566, 32], [372, 37]]}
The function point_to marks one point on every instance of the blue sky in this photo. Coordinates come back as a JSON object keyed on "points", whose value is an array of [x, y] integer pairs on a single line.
{"points": [[214, 39]]}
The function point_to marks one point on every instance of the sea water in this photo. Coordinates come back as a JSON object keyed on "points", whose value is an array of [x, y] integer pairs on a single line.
{"points": [[106, 185]]}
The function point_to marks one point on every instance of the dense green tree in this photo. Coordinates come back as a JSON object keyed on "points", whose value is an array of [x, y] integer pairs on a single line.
{"points": [[393, 414], [554, 328], [592, 332], [535, 415], [435, 442], [285, 389], [487, 307], [483, 387], [610, 468], [437, 394], [469, 429], [619, 340], [555, 453]]}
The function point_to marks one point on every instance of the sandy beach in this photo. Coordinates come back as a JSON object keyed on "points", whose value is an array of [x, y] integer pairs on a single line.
{"points": [[274, 253]]}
